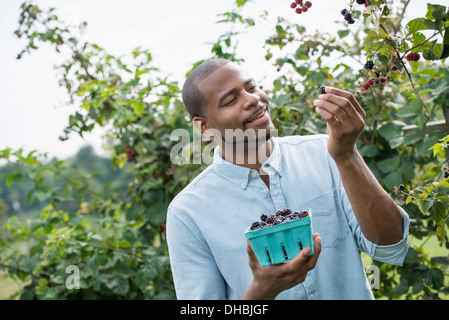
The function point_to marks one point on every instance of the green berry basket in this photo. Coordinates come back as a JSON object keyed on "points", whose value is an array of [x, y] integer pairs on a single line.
{"points": [[281, 242]]}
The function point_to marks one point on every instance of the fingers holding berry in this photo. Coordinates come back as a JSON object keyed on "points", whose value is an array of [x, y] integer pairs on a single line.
{"points": [[345, 120], [333, 99]]}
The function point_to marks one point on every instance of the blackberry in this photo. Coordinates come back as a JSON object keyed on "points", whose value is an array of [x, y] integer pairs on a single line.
{"points": [[322, 90], [446, 174], [255, 225], [369, 65], [303, 214], [361, 1], [348, 16], [281, 216], [401, 187]]}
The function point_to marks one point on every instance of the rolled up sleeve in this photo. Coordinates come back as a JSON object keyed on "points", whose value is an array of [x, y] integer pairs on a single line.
{"points": [[392, 253]]}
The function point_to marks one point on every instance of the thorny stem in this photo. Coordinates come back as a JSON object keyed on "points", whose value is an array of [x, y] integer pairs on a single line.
{"points": [[405, 68]]}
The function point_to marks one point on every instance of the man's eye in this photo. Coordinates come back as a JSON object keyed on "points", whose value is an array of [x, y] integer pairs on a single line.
{"points": [[231, 101], [253, 88]]}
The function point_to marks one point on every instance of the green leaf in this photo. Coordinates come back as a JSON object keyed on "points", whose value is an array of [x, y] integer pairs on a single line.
{"points": [[411, 256], [434, 278], [14, 177], [343, 33], [393, 178], [390, 130], [435, 11], [402, 287], [413, 137], [140, 72], [241, 3], [429, 50], [415, 66], [157, 213], [389, 165], [420, 24], [424, 205], [440, 260], [369, 151], [444, 53], [138, 107]]}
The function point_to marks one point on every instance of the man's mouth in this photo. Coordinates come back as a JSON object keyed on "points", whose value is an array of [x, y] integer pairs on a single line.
{"points": [[257, 115]]}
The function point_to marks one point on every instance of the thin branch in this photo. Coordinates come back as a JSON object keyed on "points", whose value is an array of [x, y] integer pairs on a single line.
{"points": [[405, 68]]}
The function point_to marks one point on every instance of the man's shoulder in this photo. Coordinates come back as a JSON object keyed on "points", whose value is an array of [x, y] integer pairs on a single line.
{"points": [[196, 186]]}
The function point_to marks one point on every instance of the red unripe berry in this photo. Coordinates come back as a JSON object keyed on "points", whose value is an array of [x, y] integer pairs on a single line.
{"points": [[298, 10], [308, 4], [304, 9], [412, 56], [293, 5], [299, 2]]}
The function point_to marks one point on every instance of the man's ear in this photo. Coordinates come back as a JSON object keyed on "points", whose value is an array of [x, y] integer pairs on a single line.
{"points": [[202, 125]]}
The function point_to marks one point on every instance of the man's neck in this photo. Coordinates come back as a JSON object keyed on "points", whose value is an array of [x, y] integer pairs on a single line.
{"points": [[245, 156]]}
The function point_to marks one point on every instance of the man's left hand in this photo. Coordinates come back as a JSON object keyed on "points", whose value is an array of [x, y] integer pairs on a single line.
{"points": [[345, 120]]}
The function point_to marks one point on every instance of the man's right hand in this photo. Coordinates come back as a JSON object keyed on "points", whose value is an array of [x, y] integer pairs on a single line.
{"points": [[271, 280]]}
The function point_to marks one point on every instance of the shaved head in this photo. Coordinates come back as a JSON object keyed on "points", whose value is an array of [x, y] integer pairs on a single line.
{"points": [[193, 99]]}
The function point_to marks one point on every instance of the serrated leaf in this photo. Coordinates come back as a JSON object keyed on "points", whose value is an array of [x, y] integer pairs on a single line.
{"points": [[420, 24]]}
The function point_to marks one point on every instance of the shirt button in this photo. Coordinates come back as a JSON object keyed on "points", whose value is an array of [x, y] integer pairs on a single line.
{"points": [[243, 184], [312, 296], [265, 191], [254, 174]]}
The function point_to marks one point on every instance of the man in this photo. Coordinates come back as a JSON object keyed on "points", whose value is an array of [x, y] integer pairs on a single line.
{"points": [[254, 172]]}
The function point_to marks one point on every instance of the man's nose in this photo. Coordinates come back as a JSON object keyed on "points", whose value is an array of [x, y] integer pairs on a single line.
{"points": [[251, 100]]}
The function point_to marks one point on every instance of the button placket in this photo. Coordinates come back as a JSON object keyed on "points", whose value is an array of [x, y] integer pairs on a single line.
{"points": [[276, 192]]}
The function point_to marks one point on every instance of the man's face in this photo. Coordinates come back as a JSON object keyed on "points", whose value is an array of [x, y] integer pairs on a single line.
{"points": [[233, 101]]}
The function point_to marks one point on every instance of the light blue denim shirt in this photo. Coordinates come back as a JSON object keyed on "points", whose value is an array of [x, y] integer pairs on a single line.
{"points": [[206, 223]]}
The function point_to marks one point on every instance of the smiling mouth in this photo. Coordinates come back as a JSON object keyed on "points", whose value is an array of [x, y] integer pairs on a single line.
{"points": [[258, 114]]}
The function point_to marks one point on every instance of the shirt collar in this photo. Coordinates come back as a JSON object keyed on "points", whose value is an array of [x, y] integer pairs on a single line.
{"points": [[239, 174]]}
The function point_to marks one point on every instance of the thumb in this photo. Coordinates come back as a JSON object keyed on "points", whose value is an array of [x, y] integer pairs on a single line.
{"points": [[253, 261]]}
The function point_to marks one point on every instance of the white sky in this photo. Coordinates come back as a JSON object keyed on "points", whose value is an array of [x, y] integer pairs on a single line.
{"points": [[177, 32]]}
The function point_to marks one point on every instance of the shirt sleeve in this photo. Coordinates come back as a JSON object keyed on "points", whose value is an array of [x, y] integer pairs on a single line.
{"points": [[393, 253], [195, 273]]}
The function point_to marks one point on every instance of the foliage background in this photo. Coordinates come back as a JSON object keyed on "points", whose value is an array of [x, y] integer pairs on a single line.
{"points": [[112, 225]]}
